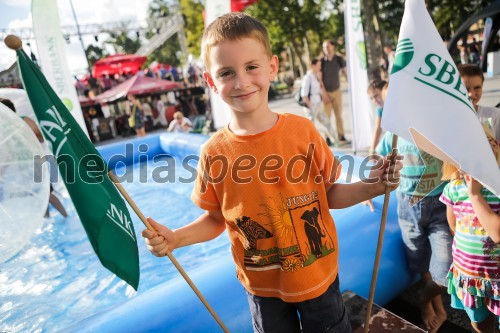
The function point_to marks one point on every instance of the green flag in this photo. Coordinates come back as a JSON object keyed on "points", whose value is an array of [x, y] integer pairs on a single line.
{"points": [[102, 210]]}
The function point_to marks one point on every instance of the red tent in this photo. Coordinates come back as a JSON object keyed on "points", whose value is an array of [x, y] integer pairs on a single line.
{"points": [[136, 85], [118, 63]]}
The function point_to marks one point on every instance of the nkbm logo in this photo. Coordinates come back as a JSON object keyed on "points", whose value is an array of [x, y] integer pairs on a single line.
{"points": [[404, 54]]}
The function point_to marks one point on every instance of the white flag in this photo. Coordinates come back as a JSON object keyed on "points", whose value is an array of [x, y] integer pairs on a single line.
{"points": [[221, 114], [52, 55], [361, 108], [427, 102]]}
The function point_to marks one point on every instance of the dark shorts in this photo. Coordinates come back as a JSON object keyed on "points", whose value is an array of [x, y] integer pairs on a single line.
{"points": [[326, 313]]}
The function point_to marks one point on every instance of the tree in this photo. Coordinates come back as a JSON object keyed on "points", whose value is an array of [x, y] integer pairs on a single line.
{"points": [[448, 15], [297, 27], [192, 11], [168, 52], [122, 43], [95, 53]]}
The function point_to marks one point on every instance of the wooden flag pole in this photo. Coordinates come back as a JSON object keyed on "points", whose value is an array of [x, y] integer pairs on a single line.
{"points": [[380, 240], [169, 254]]}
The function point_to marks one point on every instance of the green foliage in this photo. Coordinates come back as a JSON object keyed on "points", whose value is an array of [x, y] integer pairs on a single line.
{"points": [[95, 53], [167, 53], [291, 21], [390, 14], [450, 14], [124, 44], [192, 10]]}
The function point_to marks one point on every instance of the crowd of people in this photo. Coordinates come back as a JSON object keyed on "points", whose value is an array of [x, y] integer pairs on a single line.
{"points": [[91, 86]]}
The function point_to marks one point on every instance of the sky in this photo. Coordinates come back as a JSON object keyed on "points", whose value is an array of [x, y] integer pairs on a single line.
{"points": [[16, 14]]}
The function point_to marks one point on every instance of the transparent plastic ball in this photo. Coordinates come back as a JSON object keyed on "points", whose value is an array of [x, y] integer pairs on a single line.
{"points": [[24, 184]]}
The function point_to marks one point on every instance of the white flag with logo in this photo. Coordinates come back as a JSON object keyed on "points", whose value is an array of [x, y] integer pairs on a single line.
{"points": [[52, 55], [428, 104], [361, 108]]}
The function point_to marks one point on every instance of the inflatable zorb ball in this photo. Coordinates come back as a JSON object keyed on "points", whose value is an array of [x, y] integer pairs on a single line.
{"points": [[24, 185]]}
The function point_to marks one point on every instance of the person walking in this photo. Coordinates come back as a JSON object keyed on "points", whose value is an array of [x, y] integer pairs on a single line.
{"points": [[331, 66]]}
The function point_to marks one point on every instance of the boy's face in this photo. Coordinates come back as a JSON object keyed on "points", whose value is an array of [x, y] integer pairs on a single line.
{"points": [[240, 72], [474, 86], [376, 97]]}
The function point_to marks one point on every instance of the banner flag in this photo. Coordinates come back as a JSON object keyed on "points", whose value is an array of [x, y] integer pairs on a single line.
{"points": [[428, 104], [102, 210], [52, 55], [361, 108], [221, 113]]}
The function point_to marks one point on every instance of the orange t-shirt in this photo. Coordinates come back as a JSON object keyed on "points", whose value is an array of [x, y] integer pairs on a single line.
{"points": [[271, 188]]}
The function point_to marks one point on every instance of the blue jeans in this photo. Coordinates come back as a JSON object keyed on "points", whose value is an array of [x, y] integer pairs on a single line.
{"points": [[427, 236], [325, 313]]}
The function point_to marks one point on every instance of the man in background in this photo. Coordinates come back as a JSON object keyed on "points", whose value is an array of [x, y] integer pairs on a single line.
{"points": [[331, 66]]}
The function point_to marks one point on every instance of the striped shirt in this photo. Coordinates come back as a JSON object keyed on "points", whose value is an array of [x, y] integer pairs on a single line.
{"points": [[475, 272]]}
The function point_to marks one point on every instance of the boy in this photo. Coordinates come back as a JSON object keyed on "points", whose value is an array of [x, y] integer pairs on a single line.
{"points": [[268, 179], [473, 79]]}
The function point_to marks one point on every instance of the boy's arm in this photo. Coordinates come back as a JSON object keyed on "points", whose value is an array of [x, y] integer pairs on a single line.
{"points": [[346, 195], [206, 227], [486, 216], [376, 135]]}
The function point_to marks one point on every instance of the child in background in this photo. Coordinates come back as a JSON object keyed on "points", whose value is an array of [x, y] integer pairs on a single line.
{"points": [[473, 215], [283, 238], [377, 89], [473, 79]]}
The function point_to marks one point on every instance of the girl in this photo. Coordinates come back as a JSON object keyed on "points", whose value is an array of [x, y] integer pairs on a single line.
{"points": [[473, 216], [377, 90]]}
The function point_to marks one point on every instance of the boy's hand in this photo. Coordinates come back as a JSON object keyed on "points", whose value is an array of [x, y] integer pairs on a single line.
{"points": [[387, 174], [473, 186], [160, 240]]}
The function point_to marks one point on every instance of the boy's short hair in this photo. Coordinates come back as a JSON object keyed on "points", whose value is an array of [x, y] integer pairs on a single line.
{"points": [[8, 103], [178, 115], [377, 84], [233, 26], [470, 70]]}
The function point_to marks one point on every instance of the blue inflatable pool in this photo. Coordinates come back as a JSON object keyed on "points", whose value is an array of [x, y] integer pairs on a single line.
{"points": [[173, 306]]}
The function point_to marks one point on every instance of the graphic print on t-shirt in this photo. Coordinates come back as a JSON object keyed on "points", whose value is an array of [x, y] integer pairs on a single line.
{"points": [[300, 235]]}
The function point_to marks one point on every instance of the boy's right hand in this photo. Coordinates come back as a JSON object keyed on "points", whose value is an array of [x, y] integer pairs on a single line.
{"points": [[160, 240]]}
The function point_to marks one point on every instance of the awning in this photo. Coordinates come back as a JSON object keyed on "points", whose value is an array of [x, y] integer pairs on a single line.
{"points": [[118, 64], [136, 85]]}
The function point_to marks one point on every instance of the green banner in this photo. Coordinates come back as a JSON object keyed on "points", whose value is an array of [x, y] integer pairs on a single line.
{"points": [[102, 210]]}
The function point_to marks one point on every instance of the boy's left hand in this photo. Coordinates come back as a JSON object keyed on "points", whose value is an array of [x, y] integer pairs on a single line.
{"points": [[386, 174]]}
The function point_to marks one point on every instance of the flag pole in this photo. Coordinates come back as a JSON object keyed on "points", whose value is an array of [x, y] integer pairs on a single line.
{"points": [[380, 240], [169, 254]]}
